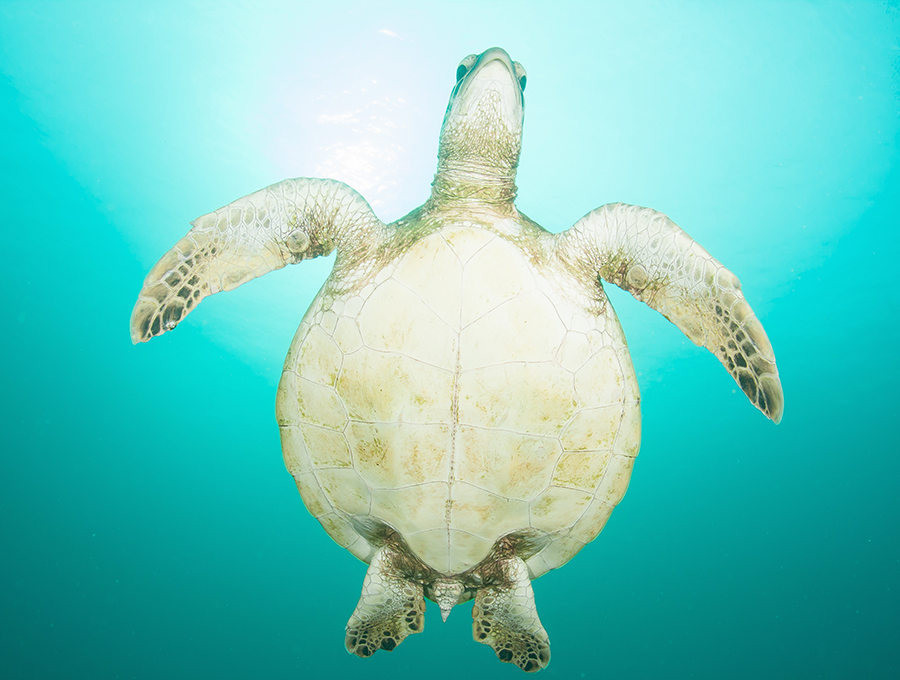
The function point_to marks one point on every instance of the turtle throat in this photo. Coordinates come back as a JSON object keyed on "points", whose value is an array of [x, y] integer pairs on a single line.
{"points": [[468, 181], [478, 153]]}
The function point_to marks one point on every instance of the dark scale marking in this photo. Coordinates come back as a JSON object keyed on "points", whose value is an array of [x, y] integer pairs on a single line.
{"points": [[172, 315], [748, 385]]}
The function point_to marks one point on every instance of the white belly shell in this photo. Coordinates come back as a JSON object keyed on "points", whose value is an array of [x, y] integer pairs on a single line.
{"points": [[461, 395]]}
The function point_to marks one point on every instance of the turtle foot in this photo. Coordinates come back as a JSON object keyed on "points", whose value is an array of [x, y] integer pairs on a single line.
{"points": [[505, 618], [390, 608]]}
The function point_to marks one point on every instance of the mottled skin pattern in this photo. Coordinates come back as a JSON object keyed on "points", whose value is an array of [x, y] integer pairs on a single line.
{"points": [[458, 407]]}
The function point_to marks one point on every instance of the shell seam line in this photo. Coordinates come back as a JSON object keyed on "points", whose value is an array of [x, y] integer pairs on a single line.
{"points": [[454, 419]]}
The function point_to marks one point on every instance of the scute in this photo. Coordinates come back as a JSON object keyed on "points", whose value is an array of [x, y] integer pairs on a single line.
{"points": [[418, 332], [486, 514], [539, 333], [528, 397], [592, 521], [326, 448], [493, 275], [318, 404], [581, 470], [427, 275], [615, 480], [592, 428], [426, 449], [466, 550], [406, 389], [465, 242], [435, 543], [410, 509], [346, 490], [599, 381], [558, 507], [511, 464]]}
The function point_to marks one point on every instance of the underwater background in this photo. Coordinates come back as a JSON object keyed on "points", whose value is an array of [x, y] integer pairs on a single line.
{"points": [[149, 529]]}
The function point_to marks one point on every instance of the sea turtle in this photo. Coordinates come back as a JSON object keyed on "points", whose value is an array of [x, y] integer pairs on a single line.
{"points": [[458, 406]]}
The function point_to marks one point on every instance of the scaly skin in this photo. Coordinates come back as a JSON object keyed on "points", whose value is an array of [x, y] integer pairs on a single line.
{"points": [[644, 252]]}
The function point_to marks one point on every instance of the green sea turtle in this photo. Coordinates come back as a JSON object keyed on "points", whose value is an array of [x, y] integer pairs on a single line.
{"points": [[458, 406]]}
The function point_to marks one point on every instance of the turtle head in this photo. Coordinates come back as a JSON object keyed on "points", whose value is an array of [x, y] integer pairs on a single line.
{"points": [[482, 132]]}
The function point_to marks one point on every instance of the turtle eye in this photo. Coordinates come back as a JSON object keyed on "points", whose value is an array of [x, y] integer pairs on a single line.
{"points": [[465, 65], [520, 74]]}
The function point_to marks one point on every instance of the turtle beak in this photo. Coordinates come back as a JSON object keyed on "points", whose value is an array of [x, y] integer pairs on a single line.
{"points": [[492, 72]]}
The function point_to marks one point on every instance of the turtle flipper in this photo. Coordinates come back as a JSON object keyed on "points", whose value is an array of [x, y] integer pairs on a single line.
{"points": [[644, 252], [505, 617], [390, 608], [294, 220]]}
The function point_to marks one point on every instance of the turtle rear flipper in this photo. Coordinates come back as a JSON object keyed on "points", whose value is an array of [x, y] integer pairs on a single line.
{"points": [[390, 608], [506, 618]]}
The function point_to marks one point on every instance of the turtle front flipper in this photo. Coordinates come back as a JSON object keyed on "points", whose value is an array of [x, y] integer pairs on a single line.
{"points": [[294, 220], [505, 617], [644, 252], [390, 608]]}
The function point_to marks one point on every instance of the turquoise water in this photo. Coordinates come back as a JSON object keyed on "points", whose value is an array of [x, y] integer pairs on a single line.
{"points": [[149, 528]]}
